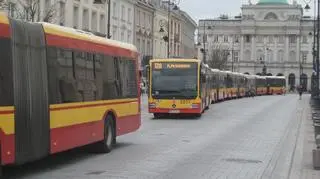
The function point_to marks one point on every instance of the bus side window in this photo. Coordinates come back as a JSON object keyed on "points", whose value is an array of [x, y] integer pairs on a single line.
{"points": [[62, 76], [117, 82], [108, 78]]}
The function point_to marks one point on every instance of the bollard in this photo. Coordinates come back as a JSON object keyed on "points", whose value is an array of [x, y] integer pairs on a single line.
{"points": [[315, 115], [316, 154], [316, 121], [315, 118], [316, 129]]}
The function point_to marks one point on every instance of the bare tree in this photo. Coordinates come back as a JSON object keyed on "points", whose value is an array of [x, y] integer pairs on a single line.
{"points": [[218, 56], [30, 10]]}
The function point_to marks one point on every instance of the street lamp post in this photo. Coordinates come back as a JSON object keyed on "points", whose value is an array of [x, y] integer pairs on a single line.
{"points": [[317, 57], [264, 68], [232, 56], [162, 23], [315, 79], [109, 25], [109, 13], [204, 40]]}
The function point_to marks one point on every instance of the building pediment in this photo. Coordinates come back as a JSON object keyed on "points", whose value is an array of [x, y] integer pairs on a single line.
{"points": [[271, 16]]}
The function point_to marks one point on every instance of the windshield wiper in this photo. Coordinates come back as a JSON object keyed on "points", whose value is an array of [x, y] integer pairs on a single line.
{"points": [[167, 91]]}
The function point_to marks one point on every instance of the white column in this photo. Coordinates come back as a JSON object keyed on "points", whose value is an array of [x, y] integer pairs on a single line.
{"points": [[265, 52], [309, 56], [286, 47], [241, 47], [298, 49], [253, 48], [275, 51]]}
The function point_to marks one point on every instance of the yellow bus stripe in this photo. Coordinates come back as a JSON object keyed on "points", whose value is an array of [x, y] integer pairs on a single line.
{"points": [[63, 115]]}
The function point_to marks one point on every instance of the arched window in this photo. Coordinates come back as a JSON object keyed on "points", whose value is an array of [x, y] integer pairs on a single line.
{"points": [[292, 56], [271, 16], [304, 81], [247, 55], [280, 56], [292, 81], [270, 56], [260, 54]]}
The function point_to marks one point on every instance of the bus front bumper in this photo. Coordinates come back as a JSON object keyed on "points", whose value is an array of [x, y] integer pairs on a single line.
{"points": [[175, 111]]}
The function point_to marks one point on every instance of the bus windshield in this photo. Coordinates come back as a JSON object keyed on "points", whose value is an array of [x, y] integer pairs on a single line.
{"points": [[276, 82], [174, 80]]}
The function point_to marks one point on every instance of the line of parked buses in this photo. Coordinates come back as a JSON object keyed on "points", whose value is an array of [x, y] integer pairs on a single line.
{"points": [[188, 86], [62, 88]]}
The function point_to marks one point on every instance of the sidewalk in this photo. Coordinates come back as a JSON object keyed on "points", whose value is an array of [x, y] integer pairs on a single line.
{"points": [[301, 166]]}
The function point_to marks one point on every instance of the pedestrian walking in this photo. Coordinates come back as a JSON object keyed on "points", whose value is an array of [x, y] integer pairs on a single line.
{"points": [[252, 92], [300, 91]]}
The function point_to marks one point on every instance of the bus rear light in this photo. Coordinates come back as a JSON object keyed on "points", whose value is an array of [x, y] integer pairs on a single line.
{"points": [[195, 106], [152, 105]]}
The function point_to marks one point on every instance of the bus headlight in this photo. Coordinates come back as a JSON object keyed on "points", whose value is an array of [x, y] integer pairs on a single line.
{"points": [[152, 105], [194, 106]]}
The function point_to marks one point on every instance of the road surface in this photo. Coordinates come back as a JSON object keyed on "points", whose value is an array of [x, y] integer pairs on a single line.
{"points": [[244, 138]]}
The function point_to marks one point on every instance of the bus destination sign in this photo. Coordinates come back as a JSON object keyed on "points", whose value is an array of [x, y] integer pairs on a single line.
{"points": [[171, 65]]}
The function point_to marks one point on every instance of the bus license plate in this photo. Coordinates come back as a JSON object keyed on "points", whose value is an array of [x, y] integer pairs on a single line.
{"points": [[174, 111]]}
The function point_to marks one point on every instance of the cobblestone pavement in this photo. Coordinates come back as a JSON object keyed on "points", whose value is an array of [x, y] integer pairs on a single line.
{"points": [[261, 137]]}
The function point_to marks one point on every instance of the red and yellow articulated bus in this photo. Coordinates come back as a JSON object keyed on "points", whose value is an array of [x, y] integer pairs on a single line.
{"points": [[276, 84], [261, 85], [179, 86], [62, 88]]}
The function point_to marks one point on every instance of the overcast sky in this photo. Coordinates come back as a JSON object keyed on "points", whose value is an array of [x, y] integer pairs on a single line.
{"points": [[199, 9]]}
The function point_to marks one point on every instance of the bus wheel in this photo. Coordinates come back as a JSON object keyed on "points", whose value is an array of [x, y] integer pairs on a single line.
{"points": [[1, 167], [156, 115], [106, 145]]}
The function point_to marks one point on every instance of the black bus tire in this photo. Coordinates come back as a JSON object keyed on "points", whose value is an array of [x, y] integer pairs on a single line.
{"points": [[1, 167], [156, 115], [108, 142], [198, 115]]}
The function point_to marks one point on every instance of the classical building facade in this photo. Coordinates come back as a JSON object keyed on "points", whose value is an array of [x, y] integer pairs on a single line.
{"points": [[132, 21], [175, 32], [272, 34], [160, 24], [79, 14], [143, 36], [182, 28], [122, 20], [187, 36]]}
